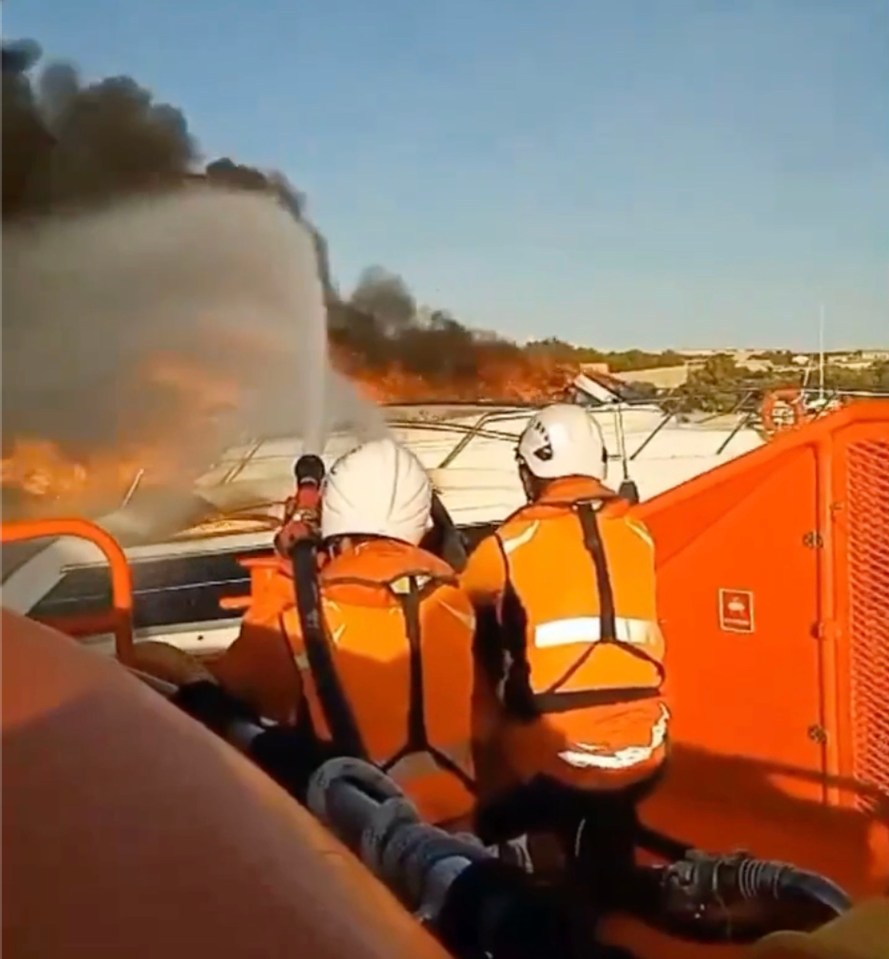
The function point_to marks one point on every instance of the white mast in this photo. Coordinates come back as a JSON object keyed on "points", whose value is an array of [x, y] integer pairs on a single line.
{"points": [[821, 355]]}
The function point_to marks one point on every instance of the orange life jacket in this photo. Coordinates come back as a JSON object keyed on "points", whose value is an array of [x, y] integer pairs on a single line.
{"points": [[400, 632], [582, 689]]}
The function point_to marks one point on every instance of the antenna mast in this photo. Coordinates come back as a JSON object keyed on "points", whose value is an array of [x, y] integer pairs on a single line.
{"points": [[821, 355]]}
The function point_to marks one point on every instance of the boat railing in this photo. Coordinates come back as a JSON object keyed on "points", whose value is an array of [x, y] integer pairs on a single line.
{"points": [[480, 428], [674, 405]]}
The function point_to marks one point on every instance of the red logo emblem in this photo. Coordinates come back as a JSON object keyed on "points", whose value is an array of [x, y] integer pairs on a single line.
{"points": [[736, 610]]}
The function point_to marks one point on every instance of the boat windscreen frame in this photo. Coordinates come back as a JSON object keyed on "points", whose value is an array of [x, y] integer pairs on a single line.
{"points": [[168, 590]]}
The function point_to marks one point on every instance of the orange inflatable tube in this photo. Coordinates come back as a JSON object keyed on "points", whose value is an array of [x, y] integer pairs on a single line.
{"points": [[131, 831]]}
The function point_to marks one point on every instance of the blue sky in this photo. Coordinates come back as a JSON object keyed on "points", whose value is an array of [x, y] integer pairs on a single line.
{"points": [[616, 172]]}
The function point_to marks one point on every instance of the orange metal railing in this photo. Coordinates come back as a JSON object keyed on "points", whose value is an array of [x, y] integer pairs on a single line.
{"points": [[796, 535], [773, 594], [119, 619]]}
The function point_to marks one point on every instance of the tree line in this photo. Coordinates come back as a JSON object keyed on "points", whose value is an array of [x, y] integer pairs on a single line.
{"points": [[720, 384]]}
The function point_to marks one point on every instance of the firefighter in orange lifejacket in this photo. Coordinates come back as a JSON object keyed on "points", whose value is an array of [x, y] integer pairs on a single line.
{"points": [[382, 666], [573, 650]]}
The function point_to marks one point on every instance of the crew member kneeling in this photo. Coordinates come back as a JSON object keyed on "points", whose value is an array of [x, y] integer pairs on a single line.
{"points": [[399, 632], [577, 651]]}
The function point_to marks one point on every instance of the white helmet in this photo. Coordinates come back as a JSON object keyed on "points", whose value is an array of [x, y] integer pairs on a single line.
{"points": [[378, 489], [563, 440]]}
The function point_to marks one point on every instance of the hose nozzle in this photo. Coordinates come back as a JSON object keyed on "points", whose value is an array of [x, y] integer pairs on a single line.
{"points": [[309, 474], [309, 469], [302, 509]]}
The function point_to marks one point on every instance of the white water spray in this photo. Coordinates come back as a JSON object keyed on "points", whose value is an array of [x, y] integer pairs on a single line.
{"points": [[226, 280]]}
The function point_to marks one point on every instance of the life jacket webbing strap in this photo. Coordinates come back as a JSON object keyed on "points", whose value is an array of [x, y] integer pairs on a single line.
{"points": [[417, 739], [449, 766], [344, 731], [592, 540], [591, 536], [567, 702], [518, 696], [417, 736]]}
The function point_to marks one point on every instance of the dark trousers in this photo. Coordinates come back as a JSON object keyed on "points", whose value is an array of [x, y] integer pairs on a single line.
{"points": [[596, 830]]}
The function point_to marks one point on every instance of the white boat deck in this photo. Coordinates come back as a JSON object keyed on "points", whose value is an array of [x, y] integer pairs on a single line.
{"points": [[469, 451], [471, 460]]}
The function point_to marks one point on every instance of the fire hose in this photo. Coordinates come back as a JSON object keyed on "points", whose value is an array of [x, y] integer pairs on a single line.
{"points": [[472, 902], [701, 897], [479, 905], [475, 904]]}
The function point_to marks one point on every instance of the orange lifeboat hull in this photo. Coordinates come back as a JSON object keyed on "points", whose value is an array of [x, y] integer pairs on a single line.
{"points": [[773, 586]]}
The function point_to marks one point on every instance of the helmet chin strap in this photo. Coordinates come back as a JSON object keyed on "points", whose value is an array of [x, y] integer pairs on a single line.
{"points": [[531, 484]]}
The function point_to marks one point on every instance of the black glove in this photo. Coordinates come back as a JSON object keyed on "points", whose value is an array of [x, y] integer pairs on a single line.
{"points": [[213, 706], [540, 805], [497, 909], [290, 755]]}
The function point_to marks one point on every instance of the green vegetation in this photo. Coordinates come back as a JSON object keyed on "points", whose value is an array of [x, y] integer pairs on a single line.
{"points": [[776, 357], [719, 383], [618, 361]]}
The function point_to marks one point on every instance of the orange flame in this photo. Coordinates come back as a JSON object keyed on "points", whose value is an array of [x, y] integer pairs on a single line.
{"points": [[41, 469], [194, 395], [521, 380], [99, 478]]}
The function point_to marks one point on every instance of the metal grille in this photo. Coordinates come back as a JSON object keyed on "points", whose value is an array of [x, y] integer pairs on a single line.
{"points": [[868, 502]]}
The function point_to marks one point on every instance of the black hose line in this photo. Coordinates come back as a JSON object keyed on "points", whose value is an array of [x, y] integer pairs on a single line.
{"points": [[478, 905], [758, 878]]}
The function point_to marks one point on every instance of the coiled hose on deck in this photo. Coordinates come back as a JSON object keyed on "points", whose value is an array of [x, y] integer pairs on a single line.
{"points": [[475, 904]]}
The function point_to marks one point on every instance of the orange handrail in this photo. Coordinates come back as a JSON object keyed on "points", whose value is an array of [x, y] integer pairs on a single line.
{"points": [[119, 619]]}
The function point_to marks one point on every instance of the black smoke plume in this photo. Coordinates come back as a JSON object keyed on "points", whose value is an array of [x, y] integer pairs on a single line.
{"points": [[71, 146]]}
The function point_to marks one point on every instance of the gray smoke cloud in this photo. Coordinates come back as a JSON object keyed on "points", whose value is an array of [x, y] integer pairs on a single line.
{"points": [[225, 279]]}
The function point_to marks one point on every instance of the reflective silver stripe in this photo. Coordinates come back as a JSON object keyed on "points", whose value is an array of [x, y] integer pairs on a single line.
{"points": [[588, 629], [416, 765], [587, 756], [511, 544], [641, 530], [467, 617]]}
